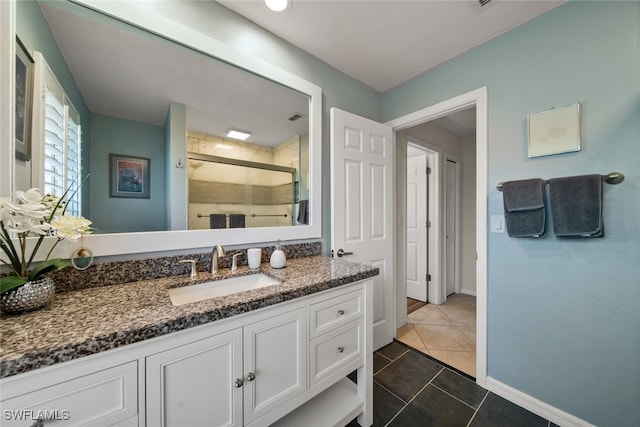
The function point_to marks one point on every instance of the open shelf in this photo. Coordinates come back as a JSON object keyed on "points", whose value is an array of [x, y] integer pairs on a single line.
{"points": [[336, 406]]}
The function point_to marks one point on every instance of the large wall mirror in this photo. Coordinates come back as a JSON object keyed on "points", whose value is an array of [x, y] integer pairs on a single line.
{"points": [[154, 101]]}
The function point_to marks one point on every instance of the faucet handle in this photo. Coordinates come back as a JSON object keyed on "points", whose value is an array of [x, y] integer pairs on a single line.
{"points": [[234, 264], [194, 270]]}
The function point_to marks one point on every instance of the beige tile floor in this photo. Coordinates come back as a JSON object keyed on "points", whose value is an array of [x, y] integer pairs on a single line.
{"points": [[446, 332]]}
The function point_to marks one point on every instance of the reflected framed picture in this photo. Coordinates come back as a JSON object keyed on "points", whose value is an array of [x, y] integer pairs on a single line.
{"points": [[128, 176], [24, 101], [554, 131]]}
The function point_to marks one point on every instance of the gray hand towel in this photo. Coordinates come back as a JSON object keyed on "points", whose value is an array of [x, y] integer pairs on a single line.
{"points": [[303, 212], [576, 206], [524, 211], [217, 221], [236, 221]]}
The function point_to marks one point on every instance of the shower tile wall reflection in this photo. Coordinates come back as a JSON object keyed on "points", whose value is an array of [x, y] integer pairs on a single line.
{"points": [[264, 198]]}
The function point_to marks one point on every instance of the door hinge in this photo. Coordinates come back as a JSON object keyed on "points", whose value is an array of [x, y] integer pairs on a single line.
{"points": [[428, 277], [428, 224], [428, 170]]}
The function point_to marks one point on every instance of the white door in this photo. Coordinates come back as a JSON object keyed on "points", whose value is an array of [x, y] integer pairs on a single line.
{"points": [[362, 207], [451, 215], [417, 214]]}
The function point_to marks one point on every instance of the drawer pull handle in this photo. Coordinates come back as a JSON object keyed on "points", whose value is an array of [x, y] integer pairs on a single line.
{"points": [[340, 349], [251, 376], [238, 382], [340, 312]]}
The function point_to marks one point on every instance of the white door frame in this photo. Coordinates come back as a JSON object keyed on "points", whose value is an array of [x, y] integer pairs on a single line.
{"points": [[477, 98], [457, 237]]}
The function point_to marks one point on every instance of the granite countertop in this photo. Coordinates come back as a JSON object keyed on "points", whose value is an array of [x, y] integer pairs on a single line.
{"points": [[89, 321]]}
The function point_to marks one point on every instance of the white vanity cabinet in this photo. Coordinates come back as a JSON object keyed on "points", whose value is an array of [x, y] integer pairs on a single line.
{"points": [[229, 379], [282, 365]]}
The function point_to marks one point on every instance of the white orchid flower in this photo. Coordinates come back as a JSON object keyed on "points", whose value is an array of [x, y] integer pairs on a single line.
{"points": [[32, 214], [32, 195], [70, 227]]}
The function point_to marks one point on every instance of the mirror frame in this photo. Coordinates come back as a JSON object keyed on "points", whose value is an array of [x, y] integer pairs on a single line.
{"points": [[143, 15]]}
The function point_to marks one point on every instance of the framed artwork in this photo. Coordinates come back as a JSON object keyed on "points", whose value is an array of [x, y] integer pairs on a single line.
{"points": [[128, 177], [24, 101], [554, 131]]}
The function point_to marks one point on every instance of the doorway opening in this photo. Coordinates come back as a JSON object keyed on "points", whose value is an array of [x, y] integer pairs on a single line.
{"points": [[462, 210], [444, 329]]}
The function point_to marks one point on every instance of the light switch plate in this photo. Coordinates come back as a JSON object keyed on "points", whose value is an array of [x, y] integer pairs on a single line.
{"points": [[497, 224]]}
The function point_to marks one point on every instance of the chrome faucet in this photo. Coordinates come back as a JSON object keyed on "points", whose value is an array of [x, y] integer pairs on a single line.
{"points": [[218, 251]]}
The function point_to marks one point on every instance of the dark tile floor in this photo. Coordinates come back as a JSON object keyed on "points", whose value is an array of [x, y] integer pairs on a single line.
{"points": [[412, 389]]}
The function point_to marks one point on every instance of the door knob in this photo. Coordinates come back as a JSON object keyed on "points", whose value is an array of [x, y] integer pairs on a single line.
{"points": [[251, 376], [238, 382], [342, 253]]}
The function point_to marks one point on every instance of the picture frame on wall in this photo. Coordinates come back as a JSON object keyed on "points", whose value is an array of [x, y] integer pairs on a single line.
{"points": [[129, 177], [24, 101], [554, 131]]}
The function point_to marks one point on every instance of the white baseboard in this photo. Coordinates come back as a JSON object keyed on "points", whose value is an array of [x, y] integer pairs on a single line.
{"points": [[468, 292], [534, 405]]}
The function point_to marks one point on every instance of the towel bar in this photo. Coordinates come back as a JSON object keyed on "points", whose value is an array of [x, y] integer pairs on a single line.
{"points": [[612, 178], [252, 215]]}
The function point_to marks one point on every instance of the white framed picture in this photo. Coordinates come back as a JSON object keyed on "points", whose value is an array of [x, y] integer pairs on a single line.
{"points": [[554, 131]]}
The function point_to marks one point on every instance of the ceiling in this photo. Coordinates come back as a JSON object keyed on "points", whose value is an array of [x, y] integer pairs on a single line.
{"points": [[384, 43], [134, 76]]}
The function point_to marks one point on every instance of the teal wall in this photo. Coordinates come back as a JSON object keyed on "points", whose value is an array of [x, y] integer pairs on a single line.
{"points": [[563, 315], [110, 135]]}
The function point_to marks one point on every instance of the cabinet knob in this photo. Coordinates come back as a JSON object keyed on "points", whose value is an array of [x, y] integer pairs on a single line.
{"points": [[340, 312], [251, 376], [238, 382], [340, 349]]}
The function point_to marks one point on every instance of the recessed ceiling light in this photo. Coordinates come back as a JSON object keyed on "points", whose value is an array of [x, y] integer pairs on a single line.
{"points": [[236, 134], [277, 5]]}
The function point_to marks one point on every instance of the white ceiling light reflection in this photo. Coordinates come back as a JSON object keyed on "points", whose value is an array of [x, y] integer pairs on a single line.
{"points": [[277, 5]]}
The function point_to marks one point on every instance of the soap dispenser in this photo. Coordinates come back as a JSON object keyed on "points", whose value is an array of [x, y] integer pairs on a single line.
{"points": [[278, 260]]}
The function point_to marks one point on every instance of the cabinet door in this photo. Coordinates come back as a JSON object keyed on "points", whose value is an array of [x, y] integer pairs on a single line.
{"points": [[275, 362], [102, 398], [195, 385]]}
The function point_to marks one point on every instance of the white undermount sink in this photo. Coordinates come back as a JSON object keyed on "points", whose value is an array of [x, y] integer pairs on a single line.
{"points": [[219, 288]]}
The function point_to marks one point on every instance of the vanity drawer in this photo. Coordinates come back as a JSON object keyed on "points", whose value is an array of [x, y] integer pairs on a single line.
{"points": [[336, 350], [104, 398], [334, 312]]}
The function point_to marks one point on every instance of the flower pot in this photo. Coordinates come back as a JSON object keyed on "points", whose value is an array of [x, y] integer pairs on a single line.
{"points": [[30, 296]]}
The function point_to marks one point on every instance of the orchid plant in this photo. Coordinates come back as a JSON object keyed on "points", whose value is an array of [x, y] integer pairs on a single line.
{"points": [[31, 214]]}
